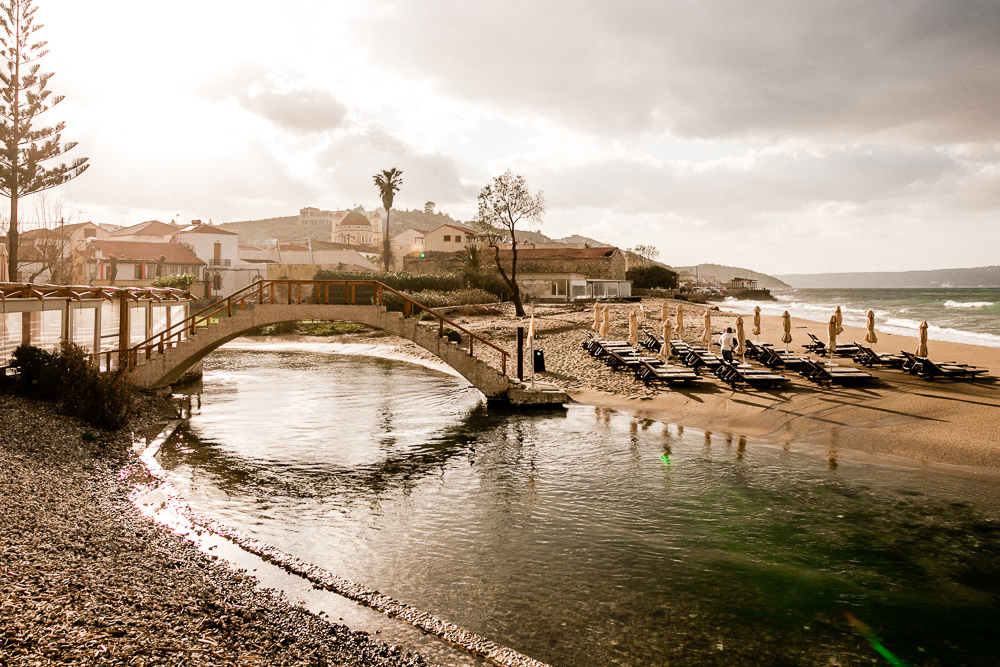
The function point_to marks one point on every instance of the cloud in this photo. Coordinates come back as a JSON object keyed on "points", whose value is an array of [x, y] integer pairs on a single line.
{"points": [[273, 96], [922, 70], [242, 180], [350, 161]]}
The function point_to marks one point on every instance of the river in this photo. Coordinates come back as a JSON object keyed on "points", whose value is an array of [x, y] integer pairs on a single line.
{"points": [[586, 537]]}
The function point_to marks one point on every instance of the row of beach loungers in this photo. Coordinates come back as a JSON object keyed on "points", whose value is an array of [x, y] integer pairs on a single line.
{"points": [[698, 360]]}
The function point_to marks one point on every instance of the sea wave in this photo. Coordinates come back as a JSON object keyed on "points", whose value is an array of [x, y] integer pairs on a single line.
{"points": [[968, 304], [888, 320]]}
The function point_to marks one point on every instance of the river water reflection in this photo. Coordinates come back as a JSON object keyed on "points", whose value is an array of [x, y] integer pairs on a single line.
{"points": [[588, 537]]}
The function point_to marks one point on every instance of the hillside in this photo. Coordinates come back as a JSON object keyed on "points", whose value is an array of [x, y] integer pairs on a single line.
{"points": [[726, 273], [984, 276]]}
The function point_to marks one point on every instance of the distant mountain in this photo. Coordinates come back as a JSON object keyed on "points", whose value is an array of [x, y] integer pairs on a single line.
{"points": [[984, 276], [724, 274]]}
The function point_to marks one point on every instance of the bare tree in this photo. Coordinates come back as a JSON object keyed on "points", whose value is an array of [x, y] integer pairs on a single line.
{"points": [[23, 98], [504, 203], [388, 182], [643, 255], [49, 243]]}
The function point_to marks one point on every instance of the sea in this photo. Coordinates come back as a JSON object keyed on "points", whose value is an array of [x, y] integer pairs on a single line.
{"points": [[970, 316]]}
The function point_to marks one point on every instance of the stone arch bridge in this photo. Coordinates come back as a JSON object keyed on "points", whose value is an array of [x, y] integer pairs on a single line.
{"points": [[177, 352]]}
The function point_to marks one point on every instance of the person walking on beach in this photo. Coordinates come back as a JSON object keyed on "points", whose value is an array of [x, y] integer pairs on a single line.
{"points": [[727, 341]]}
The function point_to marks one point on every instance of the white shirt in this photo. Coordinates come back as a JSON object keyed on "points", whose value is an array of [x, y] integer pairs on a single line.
{"points": [[727, 341]]}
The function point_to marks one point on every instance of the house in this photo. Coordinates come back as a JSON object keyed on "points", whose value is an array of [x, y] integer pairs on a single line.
{"points": [[46, 255], [151, 231], [135, 262], [560, 274], [218, 248], [448, 238], [277, 261], [409, 242]]}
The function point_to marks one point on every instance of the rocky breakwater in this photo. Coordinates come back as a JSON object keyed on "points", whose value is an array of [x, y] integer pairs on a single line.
{"points": [[84, 579]]}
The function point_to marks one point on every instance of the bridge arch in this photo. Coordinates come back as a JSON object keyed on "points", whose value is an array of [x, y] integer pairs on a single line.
{"points": [[166, 368]]}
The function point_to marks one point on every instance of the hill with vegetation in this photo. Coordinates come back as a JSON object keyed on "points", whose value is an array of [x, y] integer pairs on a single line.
{"points": [[983, 276], [724, 274]]}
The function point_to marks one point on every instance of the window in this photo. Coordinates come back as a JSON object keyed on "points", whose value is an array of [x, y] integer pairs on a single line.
{"points": [[448, 237], [458, 238], [89, 233]]}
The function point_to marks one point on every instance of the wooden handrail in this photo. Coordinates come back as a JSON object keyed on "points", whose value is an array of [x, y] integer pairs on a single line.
{"points": [[255, 292]]}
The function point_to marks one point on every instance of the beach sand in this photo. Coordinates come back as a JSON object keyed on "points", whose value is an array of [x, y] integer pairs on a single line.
{"points": [[953, 422]]}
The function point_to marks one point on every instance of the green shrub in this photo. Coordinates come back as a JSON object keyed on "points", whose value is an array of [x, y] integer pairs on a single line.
{"points": [[279, 329], [182, 281], [37, 372], [652, 276], [102, 399]]}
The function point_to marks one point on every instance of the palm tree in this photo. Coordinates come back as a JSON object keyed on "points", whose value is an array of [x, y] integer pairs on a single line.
{"points": [[388, 182]]}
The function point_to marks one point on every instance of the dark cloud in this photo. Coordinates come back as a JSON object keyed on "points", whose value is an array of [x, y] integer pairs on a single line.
{"points": [[771, 182], [925, 69], [293, 106], [350, 162]]}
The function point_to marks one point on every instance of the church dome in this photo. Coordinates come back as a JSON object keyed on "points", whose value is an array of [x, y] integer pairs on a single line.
{"points": [[354, 219]]}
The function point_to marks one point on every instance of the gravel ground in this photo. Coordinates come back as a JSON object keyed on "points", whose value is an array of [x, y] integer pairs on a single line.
{"points": [[560, 331], [87, 580]]}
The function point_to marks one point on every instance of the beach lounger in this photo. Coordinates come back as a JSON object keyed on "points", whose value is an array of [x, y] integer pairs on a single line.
{"points": [[733, 376], [869, 357], [779, 358], [651, 342], [940, 369], [650, 373], [822, 374], [816, 345], [698, 358], [932, 369], [754, 350]]}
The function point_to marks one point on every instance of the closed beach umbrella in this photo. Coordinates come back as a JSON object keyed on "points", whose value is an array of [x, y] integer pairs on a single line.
{"points": [[680, 319], [741, 338], [870, 337], [786, 324], [840, 320], [668, 331], [597, 317], [606, 324], [922, 349], [663, 312], [706, 336], [831, 329], [756, 320], [633, 328]]}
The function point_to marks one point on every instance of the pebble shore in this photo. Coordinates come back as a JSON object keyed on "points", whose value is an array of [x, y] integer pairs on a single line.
{"points": [[87, 580]]}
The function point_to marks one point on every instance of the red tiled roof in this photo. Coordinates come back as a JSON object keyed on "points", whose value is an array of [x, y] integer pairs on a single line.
{"points": [[559, 253], [205, 229], [141, 251], [464, 229], [148, 228]]}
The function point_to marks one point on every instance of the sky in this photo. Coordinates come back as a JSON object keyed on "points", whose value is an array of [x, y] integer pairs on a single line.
{"points": [[786, 137]]}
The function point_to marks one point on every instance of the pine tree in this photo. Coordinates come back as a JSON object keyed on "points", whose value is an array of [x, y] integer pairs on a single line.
{"points": [[23, 97]]}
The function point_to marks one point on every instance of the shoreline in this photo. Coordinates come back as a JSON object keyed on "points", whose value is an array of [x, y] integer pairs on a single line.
{"points": [[88, 578], [950, 422]]}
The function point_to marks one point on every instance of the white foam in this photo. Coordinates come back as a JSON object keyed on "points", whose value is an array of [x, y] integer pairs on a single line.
{"points": [[887, 321], [968, 304]]}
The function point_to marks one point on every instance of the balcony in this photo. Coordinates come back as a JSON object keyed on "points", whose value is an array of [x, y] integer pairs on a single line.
{"points": [[220, 262]]}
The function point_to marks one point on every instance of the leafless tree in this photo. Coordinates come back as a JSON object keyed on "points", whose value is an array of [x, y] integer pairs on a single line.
{"points": [[504, 203]]}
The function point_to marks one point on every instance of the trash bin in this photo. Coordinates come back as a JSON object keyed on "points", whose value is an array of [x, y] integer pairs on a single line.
{"points": [[539, 361]]}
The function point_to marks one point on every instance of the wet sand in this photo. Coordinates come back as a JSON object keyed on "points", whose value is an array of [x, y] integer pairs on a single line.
{"points": [[956, 422]]}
